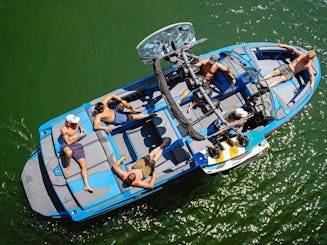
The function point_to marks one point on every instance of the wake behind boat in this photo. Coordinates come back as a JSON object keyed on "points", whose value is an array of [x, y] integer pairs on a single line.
{"points": [[200, 138]]}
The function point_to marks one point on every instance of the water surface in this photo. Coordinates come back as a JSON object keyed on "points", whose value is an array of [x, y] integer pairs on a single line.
{"points": [[57, 55]]}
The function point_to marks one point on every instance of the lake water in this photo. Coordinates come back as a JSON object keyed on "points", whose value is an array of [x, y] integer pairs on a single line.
{"points": [[57, 55]]}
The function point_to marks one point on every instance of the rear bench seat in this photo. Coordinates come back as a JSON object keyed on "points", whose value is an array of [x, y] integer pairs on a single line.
{"points": [[99, 157]]}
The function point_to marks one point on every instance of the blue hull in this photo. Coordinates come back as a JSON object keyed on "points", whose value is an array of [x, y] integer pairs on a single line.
{"points": [[52, 193]]}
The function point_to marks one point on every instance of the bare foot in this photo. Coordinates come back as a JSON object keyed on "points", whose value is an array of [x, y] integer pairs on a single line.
{"points": [[68, 170], [138, 110], [89, 189], [108, 129], [152, 114], [165, 142], [191, 106]]}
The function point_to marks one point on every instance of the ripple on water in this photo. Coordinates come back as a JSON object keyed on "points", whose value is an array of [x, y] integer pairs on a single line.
{"points": [[281, 188]]}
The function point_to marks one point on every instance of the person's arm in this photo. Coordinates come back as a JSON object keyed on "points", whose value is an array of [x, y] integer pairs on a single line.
{"points": [[230, 74], [116, 167], [83, 131], [97, 124], [127, 105], [70, 139], [149, 184], [201, 62], [312, 77], [110, 97], [115, 97], [290, 48], [241, 122]]}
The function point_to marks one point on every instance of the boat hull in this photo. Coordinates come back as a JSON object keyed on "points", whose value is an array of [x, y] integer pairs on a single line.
{"points": [[51, 192]]}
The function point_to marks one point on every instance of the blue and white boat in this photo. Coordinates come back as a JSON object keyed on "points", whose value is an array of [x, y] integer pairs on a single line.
{"points": [[52, 193]]}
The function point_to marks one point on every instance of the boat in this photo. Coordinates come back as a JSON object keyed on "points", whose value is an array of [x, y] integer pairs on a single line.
{"points": [[200, 138]]}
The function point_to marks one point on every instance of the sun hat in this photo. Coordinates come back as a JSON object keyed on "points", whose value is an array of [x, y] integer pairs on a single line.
{"points": [[240, 112], [214, 57], [71, 118]]}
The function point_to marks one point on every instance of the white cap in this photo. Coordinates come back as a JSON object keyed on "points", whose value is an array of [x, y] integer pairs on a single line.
{"points": [[71, 118], [239, 112]]}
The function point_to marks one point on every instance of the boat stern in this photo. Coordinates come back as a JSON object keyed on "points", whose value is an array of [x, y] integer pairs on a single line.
{"points": [[38, 189]]}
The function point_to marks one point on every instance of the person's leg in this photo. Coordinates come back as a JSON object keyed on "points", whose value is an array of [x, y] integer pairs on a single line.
{"points": [[279, 80], [141, 116], [156, 153], [82, 163], [120, 105], [276, 72], [68, 155], [184, 94], [191, 106]]}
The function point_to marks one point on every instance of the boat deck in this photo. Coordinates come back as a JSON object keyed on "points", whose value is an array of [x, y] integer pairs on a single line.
{"points": [[62, 195]]}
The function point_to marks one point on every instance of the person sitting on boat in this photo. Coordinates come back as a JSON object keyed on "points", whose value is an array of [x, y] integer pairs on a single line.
{"points": [[239, 115], [143, 168], [208, 68], [116, 116], [72, 148], [287, 71]]}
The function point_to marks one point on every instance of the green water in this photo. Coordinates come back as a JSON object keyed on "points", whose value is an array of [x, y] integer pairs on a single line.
{"points": [[57, 55]]}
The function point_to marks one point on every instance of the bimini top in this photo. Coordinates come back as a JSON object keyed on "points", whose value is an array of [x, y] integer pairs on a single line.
{"points": [[165, 40]]}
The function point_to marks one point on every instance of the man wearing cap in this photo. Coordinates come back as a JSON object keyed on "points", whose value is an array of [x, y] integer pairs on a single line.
{"points": [[287, 71], [72, 148], [117, 116], [237, 115], [208, 68]]}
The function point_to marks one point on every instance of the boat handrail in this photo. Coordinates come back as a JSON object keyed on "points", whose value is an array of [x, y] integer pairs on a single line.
{"points": [[183, 49]]}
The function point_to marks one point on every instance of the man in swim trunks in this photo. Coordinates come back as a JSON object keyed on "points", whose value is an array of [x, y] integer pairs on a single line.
{"points": [[286, 72], [116, 116], [208, 68], [72, 148], [143, 168]]}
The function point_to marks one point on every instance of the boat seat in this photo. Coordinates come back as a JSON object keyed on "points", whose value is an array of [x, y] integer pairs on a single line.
{"points": [[236, 100], [51, 162], [96, 146], [298, 97], [264, 65], [94, 155], [56, 135], [285, 91], [103, 181], [99, 158], [228, 61], [149, 136], [165, 128]]}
